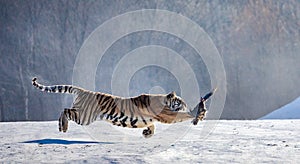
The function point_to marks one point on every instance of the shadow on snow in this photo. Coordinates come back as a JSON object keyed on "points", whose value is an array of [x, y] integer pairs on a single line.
{"points": [[64, 142]]}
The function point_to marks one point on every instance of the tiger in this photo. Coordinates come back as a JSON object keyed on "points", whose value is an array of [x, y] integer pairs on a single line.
{"points": [[133, 112]]}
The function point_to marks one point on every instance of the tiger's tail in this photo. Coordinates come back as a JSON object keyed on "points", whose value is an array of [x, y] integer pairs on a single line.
{"points": [[57, 88]]}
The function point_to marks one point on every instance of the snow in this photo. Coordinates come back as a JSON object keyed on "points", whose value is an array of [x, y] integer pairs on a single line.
{"points": [[263, 141], [289, 111]]}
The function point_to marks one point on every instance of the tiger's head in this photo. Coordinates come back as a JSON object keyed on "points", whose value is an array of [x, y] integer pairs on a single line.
{"points": [[175, 103]]}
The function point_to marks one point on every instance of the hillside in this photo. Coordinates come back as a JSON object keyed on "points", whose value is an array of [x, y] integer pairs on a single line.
{"points": [[257, 43]]}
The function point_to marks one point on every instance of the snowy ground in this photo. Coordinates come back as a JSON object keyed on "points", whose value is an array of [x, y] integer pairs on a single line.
{"points": [[263, 141]]}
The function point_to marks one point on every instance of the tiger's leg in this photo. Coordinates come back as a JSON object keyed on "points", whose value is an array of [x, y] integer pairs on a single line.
{"points": [[63, 122], [66, 115], [147, 133]]}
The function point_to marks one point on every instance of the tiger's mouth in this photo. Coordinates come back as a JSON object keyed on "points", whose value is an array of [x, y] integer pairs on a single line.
{"points": [[179, 109]]}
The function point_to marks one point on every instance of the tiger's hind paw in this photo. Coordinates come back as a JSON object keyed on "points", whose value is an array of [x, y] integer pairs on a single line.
{"points": [[63, 122]]}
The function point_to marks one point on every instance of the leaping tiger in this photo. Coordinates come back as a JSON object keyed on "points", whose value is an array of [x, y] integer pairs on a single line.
{"points": [[134, 112]]}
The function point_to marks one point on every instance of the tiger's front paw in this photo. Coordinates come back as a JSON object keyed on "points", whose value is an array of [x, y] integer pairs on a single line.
{"points": [[147, 133]]}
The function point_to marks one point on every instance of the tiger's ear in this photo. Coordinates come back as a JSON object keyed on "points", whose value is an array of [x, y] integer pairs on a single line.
{"points": [[171, 94]]}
